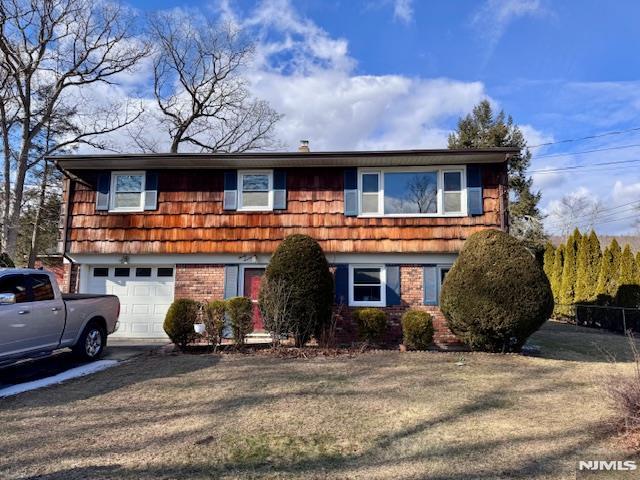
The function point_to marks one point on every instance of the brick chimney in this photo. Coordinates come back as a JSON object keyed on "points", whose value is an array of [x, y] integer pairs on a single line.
{"points": [[304, 146]]}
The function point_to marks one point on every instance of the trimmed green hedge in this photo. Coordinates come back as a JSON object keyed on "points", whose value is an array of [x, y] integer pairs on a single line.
{"points": [[372, 324], [178, 323], [417, 329], [240, 311], [496, 294]]}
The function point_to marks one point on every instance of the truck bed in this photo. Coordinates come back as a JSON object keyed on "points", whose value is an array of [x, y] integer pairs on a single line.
{"points": [[69, 297]]}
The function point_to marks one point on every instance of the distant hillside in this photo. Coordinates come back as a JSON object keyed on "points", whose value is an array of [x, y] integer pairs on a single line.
{"points": [[632, 240]]}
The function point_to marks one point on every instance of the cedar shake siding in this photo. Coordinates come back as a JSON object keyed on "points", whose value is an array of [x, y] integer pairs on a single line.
{"points": [[190, 218]]}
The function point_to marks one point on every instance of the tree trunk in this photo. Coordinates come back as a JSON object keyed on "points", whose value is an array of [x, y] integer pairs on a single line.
{"points": [[35, 234], [6, 191], [14, 216]]}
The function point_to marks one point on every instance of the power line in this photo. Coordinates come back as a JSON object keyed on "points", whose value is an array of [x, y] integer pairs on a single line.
{"points": [[586, 151], [585, 217], [616, 220], [585, 220], [589, 137], [577, 167], [613, 220]]}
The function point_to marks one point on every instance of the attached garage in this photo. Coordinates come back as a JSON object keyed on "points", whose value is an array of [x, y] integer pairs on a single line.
{"points": [[145, 293]]}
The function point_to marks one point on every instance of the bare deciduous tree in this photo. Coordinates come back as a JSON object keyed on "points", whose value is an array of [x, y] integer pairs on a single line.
{"points": [[275, 307], [199, 87], [573, 210], [422, 191], [49, 51]]}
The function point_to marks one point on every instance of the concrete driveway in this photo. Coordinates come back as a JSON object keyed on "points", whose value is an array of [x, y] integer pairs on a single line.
{"points": [[117, 349]]}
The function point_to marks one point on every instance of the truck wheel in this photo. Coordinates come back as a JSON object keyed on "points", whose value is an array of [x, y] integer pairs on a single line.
{"points": [[91, 343]]}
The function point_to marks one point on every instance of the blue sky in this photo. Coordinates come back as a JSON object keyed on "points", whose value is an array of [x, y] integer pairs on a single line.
{"points": [[398, 73]]}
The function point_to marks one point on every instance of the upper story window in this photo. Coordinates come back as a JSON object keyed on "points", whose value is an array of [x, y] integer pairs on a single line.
{"points": [[255, 190], [406, 192], [127, 192]]}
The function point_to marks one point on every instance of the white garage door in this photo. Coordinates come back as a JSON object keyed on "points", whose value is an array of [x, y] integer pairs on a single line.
{"points": [[145, 293]]}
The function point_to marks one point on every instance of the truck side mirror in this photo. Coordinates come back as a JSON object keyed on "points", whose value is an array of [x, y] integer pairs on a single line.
{"points": [[7, 298]]}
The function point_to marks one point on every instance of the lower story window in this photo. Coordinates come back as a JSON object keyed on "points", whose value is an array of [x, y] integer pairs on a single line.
{"points": [[367, 285]]}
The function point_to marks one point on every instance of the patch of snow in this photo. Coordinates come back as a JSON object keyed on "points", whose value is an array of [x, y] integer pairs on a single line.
{"points": [[76, 372]]}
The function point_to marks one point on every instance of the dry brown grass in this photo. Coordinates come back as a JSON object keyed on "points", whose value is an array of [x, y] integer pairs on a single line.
{"points": [[380, 415]]}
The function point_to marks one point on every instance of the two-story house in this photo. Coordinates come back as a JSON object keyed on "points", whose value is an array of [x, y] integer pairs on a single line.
{"points": [[152, 228]]}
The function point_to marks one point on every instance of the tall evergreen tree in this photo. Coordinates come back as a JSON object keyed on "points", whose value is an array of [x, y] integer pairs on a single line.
{"points": [[588, 268], [549, 260], [556, 276], [482, 129], [581, 293], [628, 268], [569, 273], [638, 266], [628, 292], [609, 270]]}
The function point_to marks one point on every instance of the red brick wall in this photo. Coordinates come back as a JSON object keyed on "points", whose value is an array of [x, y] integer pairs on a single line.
{"points": [[199, 282], [411, 296], [206, 282], [70, 278]]}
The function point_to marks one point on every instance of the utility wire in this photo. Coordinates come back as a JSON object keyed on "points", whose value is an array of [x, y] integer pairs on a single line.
{"points": [[589, 137], [616, 220], [586, 151], [585, 217], [585, 220], [613, 220], [577, 167]]}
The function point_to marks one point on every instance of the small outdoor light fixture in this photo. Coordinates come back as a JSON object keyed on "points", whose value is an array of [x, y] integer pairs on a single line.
{"points": [[124, 260]]}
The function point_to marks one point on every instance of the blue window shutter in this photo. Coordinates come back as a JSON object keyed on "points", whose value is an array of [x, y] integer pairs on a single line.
{"points": [[102, 191], [230, 291], [351, 192], [279, 189], [342, 284], [231, 281], [230, 201], [151, 191], [474, 190], [430, 285], [393, 285]]}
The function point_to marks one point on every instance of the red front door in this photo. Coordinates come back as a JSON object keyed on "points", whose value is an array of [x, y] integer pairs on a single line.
{"points": [[252, 278]]}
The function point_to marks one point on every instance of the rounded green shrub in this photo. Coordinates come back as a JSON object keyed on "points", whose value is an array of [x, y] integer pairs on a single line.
{"points": [[417, 329], [496, 294], [300, 270], [240, 311], [178, 323], [214, 320], [372, 324]]}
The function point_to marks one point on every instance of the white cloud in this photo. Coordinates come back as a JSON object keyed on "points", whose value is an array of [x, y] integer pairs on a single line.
{"points": [[324, 101], [309, 76], [626, 193], [494, 17], [403, 10], [535, 136], [547, 178]]}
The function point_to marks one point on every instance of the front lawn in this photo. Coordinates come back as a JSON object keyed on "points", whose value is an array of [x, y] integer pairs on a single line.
{"points": [[384, 415]]}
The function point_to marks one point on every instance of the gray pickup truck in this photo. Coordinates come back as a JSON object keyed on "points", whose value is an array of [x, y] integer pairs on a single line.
{"points": [[36, 319]]}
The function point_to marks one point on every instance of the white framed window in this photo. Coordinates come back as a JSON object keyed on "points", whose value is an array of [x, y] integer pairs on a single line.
{"points": [[367, 285], [412, 192], [255, 190], [452, 188], [127, 192]]}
